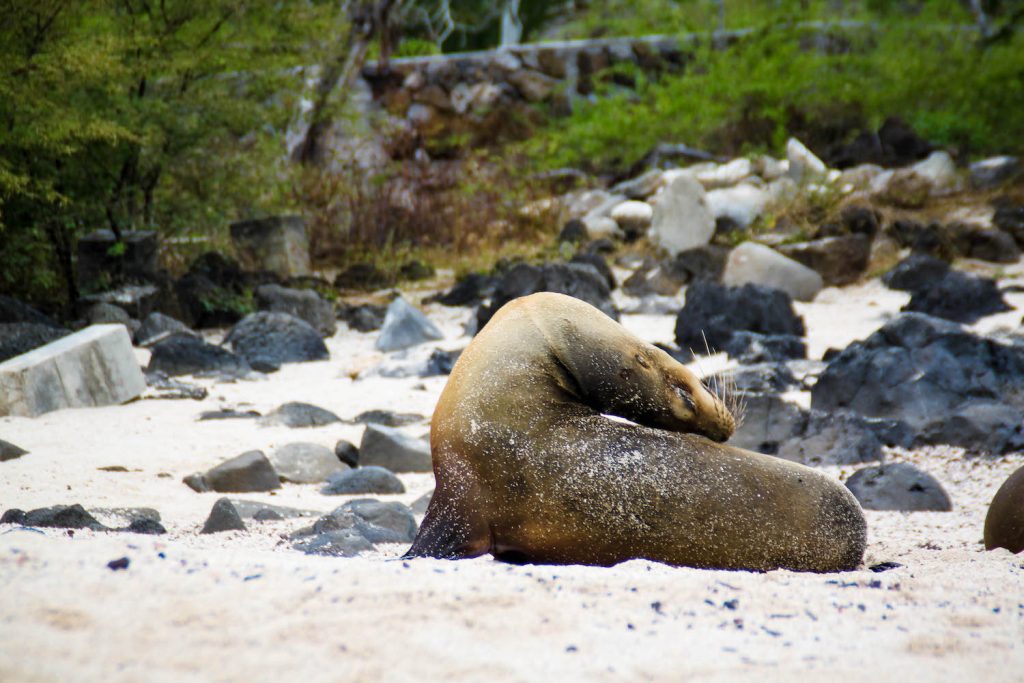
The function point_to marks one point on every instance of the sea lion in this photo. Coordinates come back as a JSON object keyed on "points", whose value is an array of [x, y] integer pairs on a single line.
{"points": [[1004, 523], [530, 469]]}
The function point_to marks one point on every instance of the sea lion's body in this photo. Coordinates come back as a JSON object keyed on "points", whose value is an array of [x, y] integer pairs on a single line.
{"points": [[1004, 523], [529, 468]]}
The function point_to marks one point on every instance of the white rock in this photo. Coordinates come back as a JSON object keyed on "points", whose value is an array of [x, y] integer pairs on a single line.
{"points": [[757, 264], [770, 168], [939, 170], [599, 227], [858, 177], [581, 202], [742, 203], [632, 215], [804, 166], [725, 175], [93, 367], [682, 219], [475, 98]]}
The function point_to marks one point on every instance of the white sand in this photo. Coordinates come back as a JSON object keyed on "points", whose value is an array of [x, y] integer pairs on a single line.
{"points": [[244, 606]]}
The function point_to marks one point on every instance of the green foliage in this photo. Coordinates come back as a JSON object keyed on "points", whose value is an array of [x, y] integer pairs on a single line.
{"points": [[777, 82], [125, 114]]}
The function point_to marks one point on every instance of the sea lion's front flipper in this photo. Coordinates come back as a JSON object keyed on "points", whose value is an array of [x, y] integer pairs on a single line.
{"points": [[450, 533]]}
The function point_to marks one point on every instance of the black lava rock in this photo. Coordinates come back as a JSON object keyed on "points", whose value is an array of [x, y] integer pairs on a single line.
{"points": [[185, 354], [18, 338], [362, 317], [297, 414], [959, 297], [916, 272], [715, 313], [223, 517], [347, 452], [272, 339], [370, 479]]}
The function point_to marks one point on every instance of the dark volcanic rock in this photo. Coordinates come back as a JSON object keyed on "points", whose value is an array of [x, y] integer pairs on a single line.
{"points": [[715, 313], [1009, 218], [751, 347], [304, 304], [441, 362], [931, 239], [347, 452], [356, 526], [898, 486], [574, 231], [297, 414], [267, 340], [223, 517], [769, 420], [981, 427], [250, 471], [362, 317], [185, 354], [394, 450], [146, 525], [959, 297], [600, 265], [14, 311], [916, 272], [370, 479], [574, 279], [8, 451], [158, 326], [468, 291], [162, 386], [833, 438], [19, 338], [228, 414], [839, 260], [762, 378], [59, 516], [923, 370]]}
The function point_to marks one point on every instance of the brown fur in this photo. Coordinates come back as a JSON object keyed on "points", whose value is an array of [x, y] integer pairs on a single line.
{"points": [[528, 467], [1004, 523]]}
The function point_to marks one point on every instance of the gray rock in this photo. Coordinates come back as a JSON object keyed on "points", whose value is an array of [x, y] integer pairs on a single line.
{"points": [[297, 415], [833, 439], [223, 517], [768, 421], [8, 451], [347, 453], [251, 509], [186, 354], [387, 418], [751, 347], [916, 272], [532, 85], [250, 471], [762, 378], [898, 486], [804, 166], [960, 297], [362, 317], [394, 450], [344, 543], [268, 340], [93, 367], [993, 172], [278, 244], [681, 219], [158, 326], [305, 463], [300, 303], [108, 314], [163, 387], [376, 521], [405, 326], [980, 427], [752, 263], [714, 314], [59, 516], [135, 300], [371, 479], [228, 414], [145, 525], [14, 311], [640, 187], [441, 362]]}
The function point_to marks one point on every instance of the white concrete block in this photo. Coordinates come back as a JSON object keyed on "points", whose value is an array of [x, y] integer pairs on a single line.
{"points": [[93, 367]]}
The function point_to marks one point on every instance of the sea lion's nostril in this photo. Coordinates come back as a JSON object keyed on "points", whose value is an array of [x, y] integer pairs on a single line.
{"points": [[642, 362]]}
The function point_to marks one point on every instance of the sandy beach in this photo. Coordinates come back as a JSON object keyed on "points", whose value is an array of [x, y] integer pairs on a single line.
{"points": [[246, 606]]}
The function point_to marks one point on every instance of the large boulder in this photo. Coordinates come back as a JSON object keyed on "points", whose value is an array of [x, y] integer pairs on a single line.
{"points": [[839, 260], [757, 264], [927, 371], [681, 218], [14, 311], [300, 303], [268, 340], [578, 280], [394, 450], [157, 326], [278, 244], [187, 354], [916, 272], [93, 367], [768, 421], [713, 314], [405, 326], [833, 439], [898, 486]]}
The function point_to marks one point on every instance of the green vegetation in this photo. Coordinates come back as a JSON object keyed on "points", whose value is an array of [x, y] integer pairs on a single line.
{"points": [[951, 87]]}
